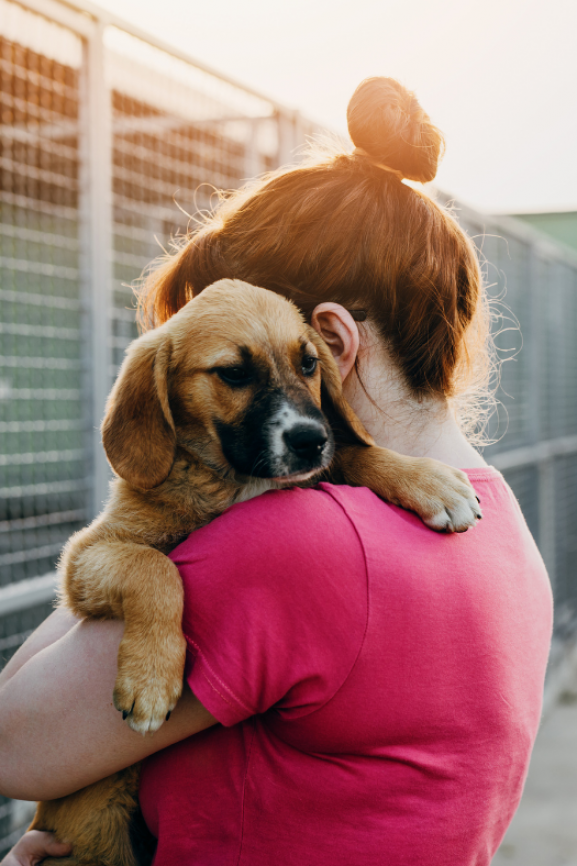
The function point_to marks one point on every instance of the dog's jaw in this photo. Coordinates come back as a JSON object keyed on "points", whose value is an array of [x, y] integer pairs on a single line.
{"points": [[255, 487]]}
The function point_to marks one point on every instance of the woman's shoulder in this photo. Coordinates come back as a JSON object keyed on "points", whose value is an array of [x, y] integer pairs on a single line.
{"points": [[316, 507], [337, 526], [314, 523]]}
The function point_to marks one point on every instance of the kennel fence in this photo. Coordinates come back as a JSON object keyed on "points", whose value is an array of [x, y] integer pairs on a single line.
{"points": [[109, 139]]}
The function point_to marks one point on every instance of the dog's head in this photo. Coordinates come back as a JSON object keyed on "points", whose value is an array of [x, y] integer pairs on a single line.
{"points": [[237, 378]]}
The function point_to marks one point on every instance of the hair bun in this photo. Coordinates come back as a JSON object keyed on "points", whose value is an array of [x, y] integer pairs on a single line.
{"points": [[387, 122]]}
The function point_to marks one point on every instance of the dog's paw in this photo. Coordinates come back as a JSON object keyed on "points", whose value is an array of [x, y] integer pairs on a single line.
{"points": [[442, 496], [149, 679]]}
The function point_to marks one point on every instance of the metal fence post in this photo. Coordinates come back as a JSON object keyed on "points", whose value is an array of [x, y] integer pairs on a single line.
{"points": [[97, 213]]}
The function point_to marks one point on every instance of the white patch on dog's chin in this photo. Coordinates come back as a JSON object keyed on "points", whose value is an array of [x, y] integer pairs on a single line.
{"points": [[280, 423], [255, 487], [287, 480]]}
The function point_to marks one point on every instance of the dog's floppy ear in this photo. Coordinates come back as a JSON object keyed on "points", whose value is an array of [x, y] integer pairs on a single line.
{"points": [[347, 428], [138, 431]]}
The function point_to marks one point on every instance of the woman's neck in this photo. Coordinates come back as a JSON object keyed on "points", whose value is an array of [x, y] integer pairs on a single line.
{"points": [[425, 427]]}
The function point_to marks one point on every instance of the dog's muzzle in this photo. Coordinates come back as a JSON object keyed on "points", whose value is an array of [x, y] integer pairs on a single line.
{"points": [[299, 443], [279, 439]]}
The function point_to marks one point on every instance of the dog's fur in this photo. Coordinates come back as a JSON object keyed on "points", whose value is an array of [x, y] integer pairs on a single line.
{"points": [[186, 442]]}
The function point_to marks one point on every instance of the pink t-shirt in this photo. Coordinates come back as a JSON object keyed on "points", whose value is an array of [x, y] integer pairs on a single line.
{"points": [[379, 685]]}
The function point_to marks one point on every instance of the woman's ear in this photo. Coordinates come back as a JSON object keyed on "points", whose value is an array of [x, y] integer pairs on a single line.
{"points": [[346, 427], [138, 432], [340, 333]]}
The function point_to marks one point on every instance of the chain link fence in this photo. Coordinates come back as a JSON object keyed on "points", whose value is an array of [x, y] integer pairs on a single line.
{"points": [[109, 140]]}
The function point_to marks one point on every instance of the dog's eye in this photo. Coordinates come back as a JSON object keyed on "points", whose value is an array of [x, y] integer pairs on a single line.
{"points": [[234, 375], [309, 365]]}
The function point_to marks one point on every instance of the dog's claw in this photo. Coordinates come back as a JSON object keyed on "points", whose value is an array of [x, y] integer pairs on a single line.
{"points": [[147, 693], [126, 713]]}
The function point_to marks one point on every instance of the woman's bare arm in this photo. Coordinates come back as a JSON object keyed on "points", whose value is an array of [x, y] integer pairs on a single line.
{"points": [[52, 629], [59, 730]]}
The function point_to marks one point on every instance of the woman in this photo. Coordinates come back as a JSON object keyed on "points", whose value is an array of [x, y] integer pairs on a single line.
{"points": [[378, 686]]}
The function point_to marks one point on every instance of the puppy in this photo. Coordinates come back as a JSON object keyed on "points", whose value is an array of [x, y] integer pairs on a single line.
{"points": [[234, 395]]}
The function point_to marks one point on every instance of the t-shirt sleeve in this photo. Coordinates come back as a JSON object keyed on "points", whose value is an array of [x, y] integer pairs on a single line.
{"points": [[275, 605]]}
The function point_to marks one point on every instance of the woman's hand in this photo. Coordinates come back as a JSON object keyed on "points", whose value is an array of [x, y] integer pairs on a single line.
{"points": [[33, 847]]}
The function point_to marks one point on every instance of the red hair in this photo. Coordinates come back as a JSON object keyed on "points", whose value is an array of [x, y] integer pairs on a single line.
{"points": [[342, 228]]}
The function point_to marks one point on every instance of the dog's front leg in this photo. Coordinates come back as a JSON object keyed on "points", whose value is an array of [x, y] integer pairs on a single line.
{"points": [[441, 495], [109, 579]]}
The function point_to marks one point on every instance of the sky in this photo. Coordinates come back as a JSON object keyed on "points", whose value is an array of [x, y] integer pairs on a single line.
{"points": [[499, 77]]}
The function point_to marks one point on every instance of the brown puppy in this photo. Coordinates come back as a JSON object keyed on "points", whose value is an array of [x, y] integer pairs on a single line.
{"points": [[235, 394]]}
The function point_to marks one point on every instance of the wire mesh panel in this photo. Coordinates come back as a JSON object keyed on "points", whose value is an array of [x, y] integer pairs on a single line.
{"points": [[517, 386], [507, 269], [524, 482], [179, 134], [547, 315], [43, 475], [565, 382]]}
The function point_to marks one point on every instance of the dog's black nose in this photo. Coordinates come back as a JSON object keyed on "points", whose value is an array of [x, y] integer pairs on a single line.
{"points": [[305, 441]]}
